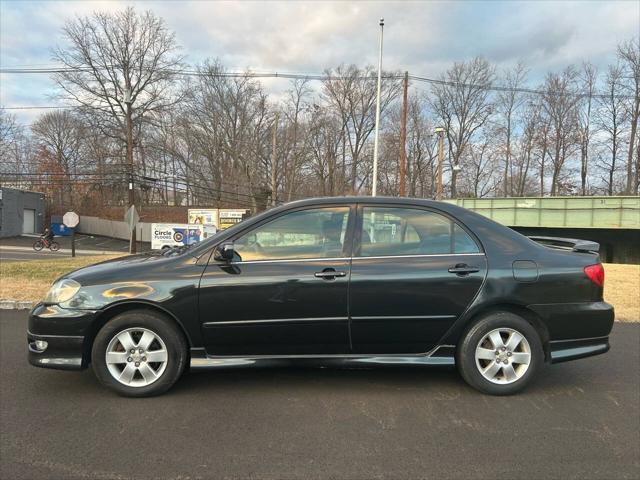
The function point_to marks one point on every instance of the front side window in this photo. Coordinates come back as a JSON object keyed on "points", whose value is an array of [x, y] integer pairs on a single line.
{"points": [[411, 231], [313, 233]]}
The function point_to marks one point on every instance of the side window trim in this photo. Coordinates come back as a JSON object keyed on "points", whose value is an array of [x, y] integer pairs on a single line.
{"points": [[347, 248], [356, 253]]}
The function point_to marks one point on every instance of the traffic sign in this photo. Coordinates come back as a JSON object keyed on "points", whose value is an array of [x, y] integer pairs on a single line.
{"points": [[71, 219], [131, 218]]}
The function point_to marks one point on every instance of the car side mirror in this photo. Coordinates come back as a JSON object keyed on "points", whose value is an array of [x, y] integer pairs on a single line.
{"points": [[224, 252]]}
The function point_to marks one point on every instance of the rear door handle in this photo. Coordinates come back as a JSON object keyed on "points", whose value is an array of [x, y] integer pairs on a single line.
{"points": [[329, 274], [462, 269]]}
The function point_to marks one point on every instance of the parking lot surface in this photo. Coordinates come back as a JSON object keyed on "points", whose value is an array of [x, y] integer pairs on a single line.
{"points": [[579, 420]]}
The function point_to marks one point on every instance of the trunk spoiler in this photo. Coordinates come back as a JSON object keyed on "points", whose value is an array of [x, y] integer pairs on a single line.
{"points": [[586, 246]]}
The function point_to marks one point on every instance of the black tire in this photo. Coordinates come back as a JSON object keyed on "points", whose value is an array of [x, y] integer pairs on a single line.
{"points": [[38, 245], [54, 246], [469, 368], [162, 327]]}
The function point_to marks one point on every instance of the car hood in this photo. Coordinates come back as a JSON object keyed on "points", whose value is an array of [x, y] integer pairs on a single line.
{"points": [[120, 267]]}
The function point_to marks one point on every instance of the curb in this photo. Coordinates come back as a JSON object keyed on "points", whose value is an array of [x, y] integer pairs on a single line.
{"points": [[16, 305]]}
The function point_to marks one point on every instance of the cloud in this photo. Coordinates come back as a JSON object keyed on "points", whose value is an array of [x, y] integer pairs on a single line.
{"points": [[422, 37]]}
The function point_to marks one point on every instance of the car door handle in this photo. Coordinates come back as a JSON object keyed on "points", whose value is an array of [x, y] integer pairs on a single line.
{"points": [[329, 274], [462, 269]]}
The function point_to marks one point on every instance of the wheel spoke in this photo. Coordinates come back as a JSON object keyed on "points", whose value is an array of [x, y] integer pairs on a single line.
{"points": [[117, 357], [127, 374], [509, 373], [521, 357], [146, 340], [157, 356], [126, 340], [485, 354], [147, 372], [496, 339], [514, 340], [491, 370]]}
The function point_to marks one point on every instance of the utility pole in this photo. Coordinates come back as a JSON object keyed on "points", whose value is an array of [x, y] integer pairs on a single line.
{"points": [[375, 136], [127, 100], [440, 132], [403, 135], [274, 160]]}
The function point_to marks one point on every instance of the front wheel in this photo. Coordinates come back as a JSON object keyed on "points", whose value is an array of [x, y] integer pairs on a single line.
{"points": [[500, 354], [54, 246], [139, 354], [38, 245]]}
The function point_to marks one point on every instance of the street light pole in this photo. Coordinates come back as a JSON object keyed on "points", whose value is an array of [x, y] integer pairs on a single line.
{"points": [[440, 132], [377, 128], [129, 114]]}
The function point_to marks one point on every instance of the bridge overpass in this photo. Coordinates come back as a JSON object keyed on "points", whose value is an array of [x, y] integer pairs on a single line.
{"points": [[614, 222]]}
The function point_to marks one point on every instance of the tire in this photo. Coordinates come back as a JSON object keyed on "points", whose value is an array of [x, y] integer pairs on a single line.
{"points": [[143, 378], [54, 246], [506, 372], [38, 245]]}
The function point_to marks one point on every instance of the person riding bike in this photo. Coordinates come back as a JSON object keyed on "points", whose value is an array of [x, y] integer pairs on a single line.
{"points": [[47, 237]]}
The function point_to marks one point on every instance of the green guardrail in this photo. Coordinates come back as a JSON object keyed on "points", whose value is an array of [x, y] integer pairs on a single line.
{"points": [[558, 212]]}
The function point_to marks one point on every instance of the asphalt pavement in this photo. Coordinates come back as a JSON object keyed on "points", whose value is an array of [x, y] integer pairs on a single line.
{"points": [[21, 248], [579, 420]]}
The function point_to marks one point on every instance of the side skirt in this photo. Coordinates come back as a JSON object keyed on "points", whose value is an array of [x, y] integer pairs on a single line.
{"points": [[443, 355]]}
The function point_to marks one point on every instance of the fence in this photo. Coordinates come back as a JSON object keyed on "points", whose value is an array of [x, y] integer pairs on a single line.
{"points": [[113, 228]]}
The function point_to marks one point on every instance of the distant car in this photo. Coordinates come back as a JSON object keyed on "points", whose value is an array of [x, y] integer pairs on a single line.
{"points": [[347, 281]]}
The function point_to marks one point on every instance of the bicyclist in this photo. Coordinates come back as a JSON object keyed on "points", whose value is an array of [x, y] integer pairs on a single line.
{"points": [[47, 237]]}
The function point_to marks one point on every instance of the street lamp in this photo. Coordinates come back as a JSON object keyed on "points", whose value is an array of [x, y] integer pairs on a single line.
{"points": [[375, 135], [440, 133]]}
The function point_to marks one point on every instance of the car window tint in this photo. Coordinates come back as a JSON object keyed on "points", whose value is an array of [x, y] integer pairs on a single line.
{"points": [[313, 233], [410, 231]]}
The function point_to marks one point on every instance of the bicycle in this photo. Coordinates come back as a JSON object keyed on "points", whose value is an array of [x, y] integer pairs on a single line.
{"points": [[44, 243]]}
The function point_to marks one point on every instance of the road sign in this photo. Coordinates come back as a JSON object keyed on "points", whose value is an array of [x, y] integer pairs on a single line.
{"points": [[71, 219], [131, 218]]}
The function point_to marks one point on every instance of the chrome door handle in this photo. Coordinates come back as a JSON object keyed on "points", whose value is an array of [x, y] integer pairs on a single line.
{"points": [[329, 274], [462, 269]]}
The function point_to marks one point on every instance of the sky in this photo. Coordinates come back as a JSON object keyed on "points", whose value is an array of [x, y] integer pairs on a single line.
{"points": [[424, 38]]}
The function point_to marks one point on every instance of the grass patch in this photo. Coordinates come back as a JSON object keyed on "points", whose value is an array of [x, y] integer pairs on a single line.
{"points": [[622, 290], [29, 281]]}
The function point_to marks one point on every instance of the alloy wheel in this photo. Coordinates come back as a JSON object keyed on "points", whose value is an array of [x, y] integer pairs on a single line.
{"points": [[503, 356], [136, 357]]}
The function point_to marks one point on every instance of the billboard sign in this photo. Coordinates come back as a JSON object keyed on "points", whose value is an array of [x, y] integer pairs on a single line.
{"points": [[166, 235], [203, 216], [231, 216]]}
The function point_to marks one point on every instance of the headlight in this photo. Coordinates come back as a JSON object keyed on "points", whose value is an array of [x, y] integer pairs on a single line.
{"points": [[62, 291]]}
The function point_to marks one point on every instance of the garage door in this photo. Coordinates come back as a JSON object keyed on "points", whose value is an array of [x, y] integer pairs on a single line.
{"points": [[29, 221]]}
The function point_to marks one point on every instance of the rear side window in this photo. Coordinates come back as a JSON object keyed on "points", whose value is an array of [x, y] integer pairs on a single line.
{"points": [[391, 231]]}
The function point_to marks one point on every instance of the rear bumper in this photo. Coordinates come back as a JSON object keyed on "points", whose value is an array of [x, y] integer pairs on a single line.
{"points": [[64, 332], [564, 350], [576, 330]]}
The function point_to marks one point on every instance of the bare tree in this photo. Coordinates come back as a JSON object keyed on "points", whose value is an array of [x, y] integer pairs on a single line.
{"points": [[461, 102], [588, 80], [629, 54], [611, 118], [559, 102], [119, 68], [508, 103]]}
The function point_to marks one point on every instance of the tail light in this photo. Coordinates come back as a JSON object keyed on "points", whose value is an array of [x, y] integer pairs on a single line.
{"points": [[595, 273]]}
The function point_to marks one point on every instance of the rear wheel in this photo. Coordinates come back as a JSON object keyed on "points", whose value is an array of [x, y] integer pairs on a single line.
{"points": [[54, 246], [500, 354], [139, 354]]}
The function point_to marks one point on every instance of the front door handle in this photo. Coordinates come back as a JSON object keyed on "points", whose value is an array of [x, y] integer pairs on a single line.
{"points": [[329, 274], [462, 269]]}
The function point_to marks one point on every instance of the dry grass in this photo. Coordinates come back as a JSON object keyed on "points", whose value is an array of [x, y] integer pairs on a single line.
{"points": [[622, 290], [29, 281]]}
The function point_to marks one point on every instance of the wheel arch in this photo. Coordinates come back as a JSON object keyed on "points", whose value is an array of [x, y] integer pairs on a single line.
{"points": [[522, 311], [128, 306]]}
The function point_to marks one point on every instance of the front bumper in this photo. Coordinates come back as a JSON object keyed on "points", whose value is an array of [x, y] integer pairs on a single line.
{"points": [[64, 331]]}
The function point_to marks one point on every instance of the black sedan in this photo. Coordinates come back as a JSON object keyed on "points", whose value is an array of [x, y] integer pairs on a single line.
{"points": [[347, 281]]}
